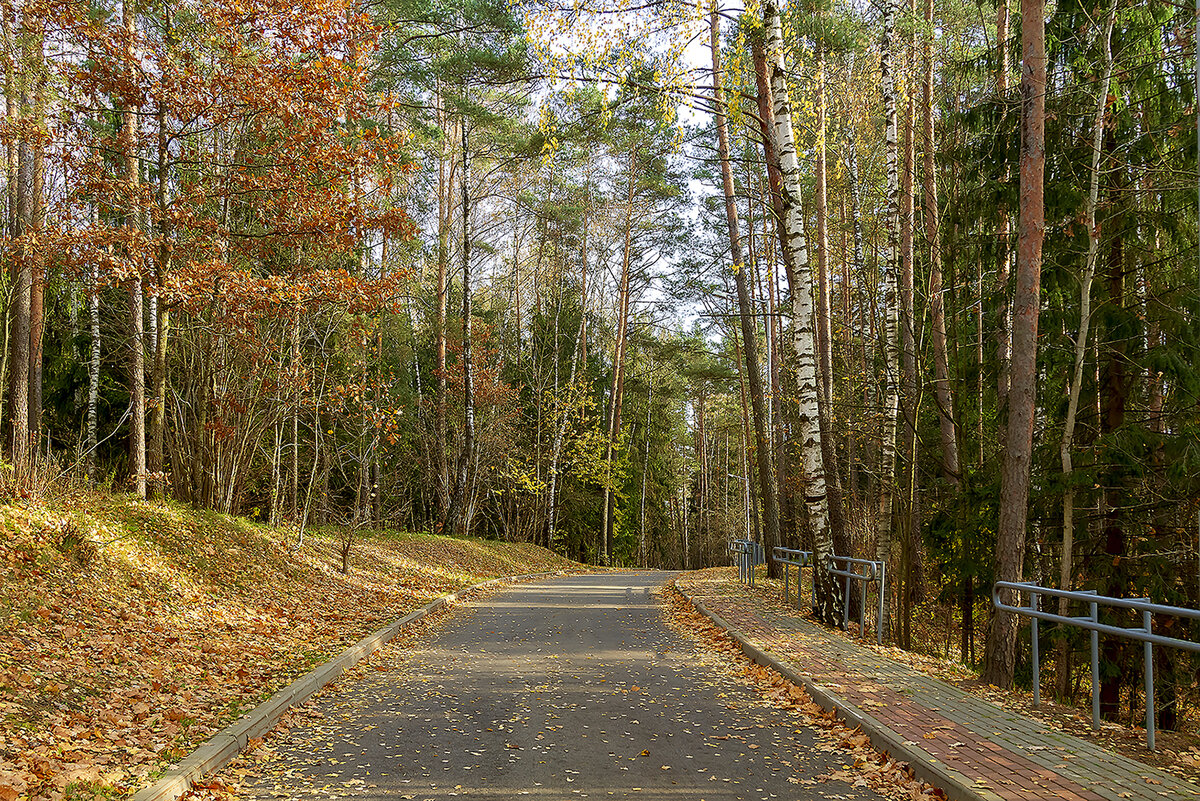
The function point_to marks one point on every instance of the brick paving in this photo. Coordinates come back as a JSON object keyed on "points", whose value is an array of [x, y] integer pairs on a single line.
{"points": [[1005, 754]]}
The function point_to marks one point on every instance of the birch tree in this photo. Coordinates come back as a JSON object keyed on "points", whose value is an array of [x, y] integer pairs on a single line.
{"points": [[889, 264], [828, 601]]}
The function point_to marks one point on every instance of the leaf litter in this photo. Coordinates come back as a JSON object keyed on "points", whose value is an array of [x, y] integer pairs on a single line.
{"points": [[133, 631], [861, 764]]}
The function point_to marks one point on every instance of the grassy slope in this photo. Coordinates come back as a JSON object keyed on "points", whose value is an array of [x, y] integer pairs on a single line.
{"points": [[130, 632]]}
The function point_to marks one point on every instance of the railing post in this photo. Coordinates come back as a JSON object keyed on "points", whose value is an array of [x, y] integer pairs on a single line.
{"points": [[1037, 666], [786, 573], [846, 600], [1148, 655], [1095, 607], [862, 610], [882, 597]]}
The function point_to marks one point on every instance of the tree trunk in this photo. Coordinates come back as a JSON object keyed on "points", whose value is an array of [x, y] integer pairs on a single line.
{"points": [[564, 418], [297, 400], [763, 454], [889, 260], [22, 277], [93, 361], [1000, 658], [828, 602], [617, 396], [750, 499], [1114, 393], [1066, 573], [446, 170], [1003, 312], [937, 300], [458, 497], [645, 470], [910, 578], [160, 312], [137, 367], [37, 296], [766, 119], [37, 320], [858, 267], [833, 480]]}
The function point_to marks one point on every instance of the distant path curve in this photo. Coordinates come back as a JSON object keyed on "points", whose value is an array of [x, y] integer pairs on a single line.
{"points": [[570, 687]]}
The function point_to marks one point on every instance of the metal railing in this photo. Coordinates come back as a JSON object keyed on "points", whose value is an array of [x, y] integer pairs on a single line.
{"points": [[748, 554], [1091, 622], [788, 557], [873, 573], [844, 566]]}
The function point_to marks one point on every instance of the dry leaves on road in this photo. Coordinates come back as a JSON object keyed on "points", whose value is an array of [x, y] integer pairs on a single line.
{"points": [[863, 766]]}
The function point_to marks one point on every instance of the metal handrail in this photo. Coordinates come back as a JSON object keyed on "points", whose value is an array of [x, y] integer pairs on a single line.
{"points": [[791, 556], [748, 554], [874, 574], [1091, 622], [877, 576]]}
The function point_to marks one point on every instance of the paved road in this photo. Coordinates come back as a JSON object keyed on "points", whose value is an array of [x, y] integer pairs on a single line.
{"points": [[567, 688]]}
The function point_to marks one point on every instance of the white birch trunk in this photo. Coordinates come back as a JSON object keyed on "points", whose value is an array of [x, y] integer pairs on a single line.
{"points": [[827, 604], [93, 369], [891, 405]]}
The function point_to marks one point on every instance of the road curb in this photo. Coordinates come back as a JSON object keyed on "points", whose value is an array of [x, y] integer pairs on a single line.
{"points": [[926, 767], [222, 747]]}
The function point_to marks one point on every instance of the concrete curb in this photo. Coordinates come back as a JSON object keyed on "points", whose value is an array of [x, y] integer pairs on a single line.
{"points": [[228, 743], [926, 767]]}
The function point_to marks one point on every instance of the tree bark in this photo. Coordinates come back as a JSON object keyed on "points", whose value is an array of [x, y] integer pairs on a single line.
{"points": [[1004, 311], [909, 576], [37, 211], [160, 312], [1066, 573], [943, 391], [617, 397], [22, 276], [37, 287], [763, 454], [456, 516], [889, 264], [833, 479], [1001, 648], [446, 170], [93, 361], [828, 601], [858, 267], [137, 366]]}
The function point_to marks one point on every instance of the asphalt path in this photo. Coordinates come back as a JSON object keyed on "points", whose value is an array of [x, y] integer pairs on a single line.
{"points": [[567, 688]]}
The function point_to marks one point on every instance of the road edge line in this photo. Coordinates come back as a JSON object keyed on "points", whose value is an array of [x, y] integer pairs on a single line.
{"points": [[216, 752], [926, 767]]}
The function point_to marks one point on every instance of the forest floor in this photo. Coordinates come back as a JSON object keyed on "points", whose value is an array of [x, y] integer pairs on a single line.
{"points": [[131, 631], [1177, 751]]}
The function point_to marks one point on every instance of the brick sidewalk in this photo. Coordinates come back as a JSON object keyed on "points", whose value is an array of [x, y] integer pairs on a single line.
{"points": [[996, 754]]}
